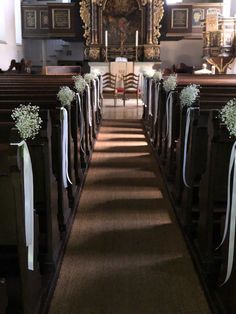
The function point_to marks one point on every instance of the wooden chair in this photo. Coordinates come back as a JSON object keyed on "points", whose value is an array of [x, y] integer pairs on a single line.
{"points": [[109, 83], [131, 86]]}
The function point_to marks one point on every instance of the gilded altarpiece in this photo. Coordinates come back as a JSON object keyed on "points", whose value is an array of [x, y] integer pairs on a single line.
{"points": [[121, 19]]}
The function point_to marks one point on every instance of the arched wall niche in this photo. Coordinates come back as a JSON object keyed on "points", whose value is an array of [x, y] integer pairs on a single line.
{"points": [[121, 19]]}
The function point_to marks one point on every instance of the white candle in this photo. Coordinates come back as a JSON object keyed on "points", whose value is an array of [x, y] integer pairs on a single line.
{"points": [[106, 38], [136, 39]]}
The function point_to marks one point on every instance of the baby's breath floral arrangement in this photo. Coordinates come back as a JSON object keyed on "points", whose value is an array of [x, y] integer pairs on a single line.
{"points": [[157, 76], [80, 83], [65, 95], [148, 73], [170, 83], [89, 77], [27, 120], [189, 94], [228, 116]]}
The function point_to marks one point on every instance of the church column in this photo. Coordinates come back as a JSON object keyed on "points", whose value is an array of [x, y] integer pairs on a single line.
{"points": [[149, 22], [94, 22]]}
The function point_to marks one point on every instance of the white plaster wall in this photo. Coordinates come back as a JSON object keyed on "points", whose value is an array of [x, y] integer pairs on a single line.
{"points": [[186, 51], [9, 50], [54, 51]]}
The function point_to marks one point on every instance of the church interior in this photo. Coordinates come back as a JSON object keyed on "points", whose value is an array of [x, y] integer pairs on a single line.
{"points": [[117, 157]]}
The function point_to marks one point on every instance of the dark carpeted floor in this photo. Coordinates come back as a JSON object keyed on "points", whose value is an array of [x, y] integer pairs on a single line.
{"points": [[126, 254]]}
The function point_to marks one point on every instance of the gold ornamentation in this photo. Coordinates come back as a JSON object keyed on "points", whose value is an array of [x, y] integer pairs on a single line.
{"points": [[85, 16], [151, 52], [144, 2], [221, 63], [94, 53], [158, 12]]}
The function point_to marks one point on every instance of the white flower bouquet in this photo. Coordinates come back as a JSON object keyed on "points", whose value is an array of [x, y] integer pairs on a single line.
{"points": [[27, 120], [89, 77], [228, 116], [80, 83], [157, 76], [170, 83], [65, 95], [189, 94]]}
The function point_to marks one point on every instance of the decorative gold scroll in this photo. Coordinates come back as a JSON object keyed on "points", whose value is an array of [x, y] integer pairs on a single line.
{"points": [[85, 16], [158, 12]]}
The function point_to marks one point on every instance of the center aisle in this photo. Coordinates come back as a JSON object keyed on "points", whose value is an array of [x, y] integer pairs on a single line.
{"points": [[126, 254]]}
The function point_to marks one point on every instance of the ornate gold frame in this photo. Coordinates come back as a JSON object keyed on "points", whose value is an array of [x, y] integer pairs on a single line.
{"points": [[91, 12]]}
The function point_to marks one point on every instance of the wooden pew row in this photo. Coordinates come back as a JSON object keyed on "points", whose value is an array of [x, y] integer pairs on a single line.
{"points": [[201, 207], [18, 279], [13, 104]]}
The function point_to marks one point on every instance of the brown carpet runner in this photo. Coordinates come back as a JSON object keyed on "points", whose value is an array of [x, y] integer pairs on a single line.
{"points": [[126, 254]]}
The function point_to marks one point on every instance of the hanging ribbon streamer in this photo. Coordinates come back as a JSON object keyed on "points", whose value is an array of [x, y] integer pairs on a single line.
{"points": [[98, 91], [156, 106], [169, 110], [28, 202], [65, 134], [150, 98], [95, 105], [230, 218], [88, 101], [145, 92], [187, 125], [101, 89], [82, 124]]}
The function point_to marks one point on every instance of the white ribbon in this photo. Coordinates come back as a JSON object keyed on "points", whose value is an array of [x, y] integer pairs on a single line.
{"points": [[95, 98], [88, 102], [101, 88], [230, 218], [150, 98], [28, 203], [169, 110], [64, 147], [145, 92], [99, 91], [82, 125], [187, 125], [156, 105]]}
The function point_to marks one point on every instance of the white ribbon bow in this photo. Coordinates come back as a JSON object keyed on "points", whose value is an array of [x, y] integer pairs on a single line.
{"points": [[89, 105], [230, 218], [28, 202], [65, 134], [169, 110]]}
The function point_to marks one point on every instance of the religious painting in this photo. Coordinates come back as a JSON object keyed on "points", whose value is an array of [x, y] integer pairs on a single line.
{"points": [[179, 18], [197, 16], [215, 39], [61, 18], [44, 21], [121, 19], [30, 19]]}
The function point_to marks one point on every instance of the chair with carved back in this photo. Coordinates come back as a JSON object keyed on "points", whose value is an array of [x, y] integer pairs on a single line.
{"points": [[109, 86], [131, 86]]}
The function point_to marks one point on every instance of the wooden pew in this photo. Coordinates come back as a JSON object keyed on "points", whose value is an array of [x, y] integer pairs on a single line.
{"points": [[23, 286], [51, 199]]}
